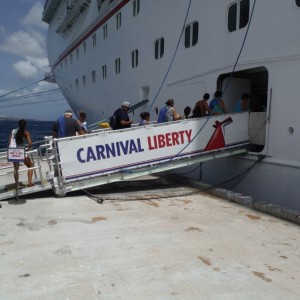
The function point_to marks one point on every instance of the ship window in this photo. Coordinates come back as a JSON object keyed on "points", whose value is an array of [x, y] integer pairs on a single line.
{"points": [[77, 84], [159, 48], [77, 54], [117, 65], [61, 66], [105, 31], [191, 35], [136, 7], [94, 40], [118, 20], [104, 72], [93, 76], [84, 48], [232, 17], [71, 58], [238, 15], [84, 80], [298, 3], [134, 58]]}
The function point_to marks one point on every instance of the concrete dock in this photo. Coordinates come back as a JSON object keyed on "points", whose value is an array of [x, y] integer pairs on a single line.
{"points": [[153, 238]]}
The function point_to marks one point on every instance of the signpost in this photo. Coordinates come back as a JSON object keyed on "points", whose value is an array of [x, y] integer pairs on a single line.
{"points": [[16, 155]]}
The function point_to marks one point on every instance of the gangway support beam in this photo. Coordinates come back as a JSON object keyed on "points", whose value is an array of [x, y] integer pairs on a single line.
{"points": [[164, 166]]}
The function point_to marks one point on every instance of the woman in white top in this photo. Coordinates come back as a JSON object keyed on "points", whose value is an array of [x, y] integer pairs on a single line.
{"points": [[171, 114], [16, 139]]}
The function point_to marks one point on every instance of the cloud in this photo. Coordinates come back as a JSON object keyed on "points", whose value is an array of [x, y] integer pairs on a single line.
{"points": [[2, 30], [25, 69], [33, 18], [45, 86], [31, 67], [24, 52], [29, 44], [23, 44]]}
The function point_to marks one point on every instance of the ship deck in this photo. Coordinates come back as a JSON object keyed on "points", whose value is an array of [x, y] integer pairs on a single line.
{"points": [[153, 238]]}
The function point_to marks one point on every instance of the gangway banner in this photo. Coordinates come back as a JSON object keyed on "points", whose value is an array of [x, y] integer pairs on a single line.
{"points": [[111, 151]]}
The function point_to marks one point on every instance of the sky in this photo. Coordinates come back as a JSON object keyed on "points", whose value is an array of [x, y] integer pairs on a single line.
{"points": [[23, 63]]}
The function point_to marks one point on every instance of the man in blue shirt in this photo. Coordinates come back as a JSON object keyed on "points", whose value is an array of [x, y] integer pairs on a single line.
{"points": [[217, 105], [243, 103], [66, 126]]}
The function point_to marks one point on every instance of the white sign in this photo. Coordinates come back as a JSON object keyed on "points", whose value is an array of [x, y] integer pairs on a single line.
{"points": [[113, 151], [15, 154]]}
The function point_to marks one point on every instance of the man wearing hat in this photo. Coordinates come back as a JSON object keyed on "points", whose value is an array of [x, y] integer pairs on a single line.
{"points": [[65, 126], [121, 118]]}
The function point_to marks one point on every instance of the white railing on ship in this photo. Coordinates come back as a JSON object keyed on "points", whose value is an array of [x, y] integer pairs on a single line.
{"points": [[108, 6], [73, 13]]}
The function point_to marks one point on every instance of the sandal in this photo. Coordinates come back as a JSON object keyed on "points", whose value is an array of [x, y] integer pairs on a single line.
{"points": [[21, 185], [30, 184]]}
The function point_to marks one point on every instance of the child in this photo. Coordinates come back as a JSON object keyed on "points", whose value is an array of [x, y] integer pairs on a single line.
{"points": [[145, 118], [186, 112]]}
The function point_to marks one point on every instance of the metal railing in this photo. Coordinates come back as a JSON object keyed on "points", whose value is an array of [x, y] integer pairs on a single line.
{"points": [[10, 176]]}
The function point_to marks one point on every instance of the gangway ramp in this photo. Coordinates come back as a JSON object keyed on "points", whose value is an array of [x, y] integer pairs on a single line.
{"points": [[161, 167], [107, 156], [8, 188]]}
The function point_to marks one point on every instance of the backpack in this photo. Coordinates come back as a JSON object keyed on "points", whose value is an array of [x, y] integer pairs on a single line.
{"points": [[113, 121], [162, 116]]}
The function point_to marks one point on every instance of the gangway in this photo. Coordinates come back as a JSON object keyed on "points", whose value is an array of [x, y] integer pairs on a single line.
{"points": [[105, 156]]}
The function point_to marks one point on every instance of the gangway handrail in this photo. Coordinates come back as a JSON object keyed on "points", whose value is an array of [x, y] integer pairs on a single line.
{"points": [[30, 154], [131, 109], [9, 189], [4, 150]]}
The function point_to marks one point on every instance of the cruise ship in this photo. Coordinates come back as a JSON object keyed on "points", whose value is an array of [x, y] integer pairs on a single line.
{"points": [[104, 52]]}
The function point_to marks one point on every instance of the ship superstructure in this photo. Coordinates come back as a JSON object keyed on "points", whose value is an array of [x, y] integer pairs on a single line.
{"points": [[102, 53]]}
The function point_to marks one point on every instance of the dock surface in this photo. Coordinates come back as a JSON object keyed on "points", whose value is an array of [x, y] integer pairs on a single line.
{"points": [[150, 239]]}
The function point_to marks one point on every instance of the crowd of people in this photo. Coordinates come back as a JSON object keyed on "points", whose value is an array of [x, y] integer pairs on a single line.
{"points": [[66, 126], [201, 109]]}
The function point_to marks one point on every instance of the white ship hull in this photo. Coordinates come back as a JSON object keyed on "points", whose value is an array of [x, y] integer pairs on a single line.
{"points": [[93, 49]]}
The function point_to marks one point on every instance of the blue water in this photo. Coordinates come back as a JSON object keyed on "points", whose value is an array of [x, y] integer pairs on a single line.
{"points": [[37, 129]]}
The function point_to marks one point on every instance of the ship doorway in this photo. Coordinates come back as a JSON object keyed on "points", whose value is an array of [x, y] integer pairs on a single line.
{"points": [[254, 82]]}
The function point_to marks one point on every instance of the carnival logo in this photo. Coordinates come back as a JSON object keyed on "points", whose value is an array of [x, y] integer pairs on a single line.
{"points": [[217, 139]]}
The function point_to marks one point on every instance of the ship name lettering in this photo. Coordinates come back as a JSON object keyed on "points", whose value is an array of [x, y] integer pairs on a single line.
{"points": [[169, 139], [105, 151]]}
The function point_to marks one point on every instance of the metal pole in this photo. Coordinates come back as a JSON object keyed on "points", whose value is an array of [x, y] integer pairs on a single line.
{"points": [[17, 201]]}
